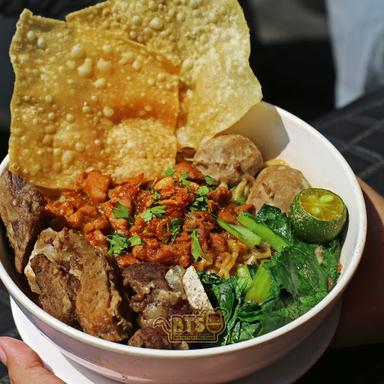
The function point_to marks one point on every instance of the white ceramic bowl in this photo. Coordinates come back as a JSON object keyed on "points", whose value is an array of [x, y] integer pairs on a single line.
{"points": [[278, 134]]}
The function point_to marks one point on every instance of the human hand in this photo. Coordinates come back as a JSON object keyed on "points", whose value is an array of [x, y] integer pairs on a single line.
{"points": [[24, 365]]}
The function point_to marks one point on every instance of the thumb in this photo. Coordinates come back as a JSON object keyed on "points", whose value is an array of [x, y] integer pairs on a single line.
{"points": [[24, 365]]}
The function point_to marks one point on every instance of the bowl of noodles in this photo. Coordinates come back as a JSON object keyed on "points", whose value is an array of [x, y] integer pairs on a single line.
{"points": [[119, 361], [147, 197]]}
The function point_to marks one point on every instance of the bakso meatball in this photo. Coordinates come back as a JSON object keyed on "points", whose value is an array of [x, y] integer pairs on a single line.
{"points": [[277, 185], [227, 158]]}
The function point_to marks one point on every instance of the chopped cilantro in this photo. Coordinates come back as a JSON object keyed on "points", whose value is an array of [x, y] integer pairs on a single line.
{"points": [[200, 204], [135, 240], [209, 180], [121, 212], [196, 250], [175, 228], [155, 193], [153, 212], [240, 201], [203, 190], [201, 201], [169, 172], [184, 179], [237, 198], [118, 243]]}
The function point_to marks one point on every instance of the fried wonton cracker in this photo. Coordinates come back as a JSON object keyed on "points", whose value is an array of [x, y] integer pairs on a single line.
{"points": [[88, 99], [209, 37]]}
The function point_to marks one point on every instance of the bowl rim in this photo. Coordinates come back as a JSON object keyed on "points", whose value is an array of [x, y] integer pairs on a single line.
{"points": [[22, 299]]}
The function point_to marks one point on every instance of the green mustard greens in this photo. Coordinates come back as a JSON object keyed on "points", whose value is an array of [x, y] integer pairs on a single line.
{"points": [[260, 299]]}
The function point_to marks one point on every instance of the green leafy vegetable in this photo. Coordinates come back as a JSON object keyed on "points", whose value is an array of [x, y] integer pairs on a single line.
{"points": [[297, 270], [153, 212], [120, 211], [209, 278], [243, 234], [228, 295], [275, 313], [283, 288], [118, 243], [210, 180], [169, 172], [249, 221], [330, 260], [276, 220], [196, 250]]}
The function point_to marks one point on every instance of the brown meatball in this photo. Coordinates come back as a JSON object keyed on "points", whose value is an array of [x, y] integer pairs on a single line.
{"points": [[277, 185], [227, 158]]}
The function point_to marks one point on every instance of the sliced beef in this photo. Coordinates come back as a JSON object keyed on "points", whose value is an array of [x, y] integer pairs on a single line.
{"points": [[153, 299], [151, 296], [145, 277], [86, 276], [22, 211]]}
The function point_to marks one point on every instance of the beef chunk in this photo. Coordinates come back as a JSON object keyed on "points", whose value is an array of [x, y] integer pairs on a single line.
{"points": [[152, 298], [57, 248], [150, 337], [57, 293], [145, 277], [100, 308], [22, 211], [97, 304]]}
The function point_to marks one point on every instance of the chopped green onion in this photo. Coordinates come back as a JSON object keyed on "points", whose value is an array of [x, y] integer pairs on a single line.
{"points": [[243, 234], [244, 276], [155, 193], [203, 190], [239, 195], [260, 288], [196, 250], [210, 180], [249, 221], [184, 179], [175, 227], [169, 172]]}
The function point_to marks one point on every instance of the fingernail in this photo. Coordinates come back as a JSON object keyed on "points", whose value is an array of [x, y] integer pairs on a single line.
{"points": [[3, 356]]}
